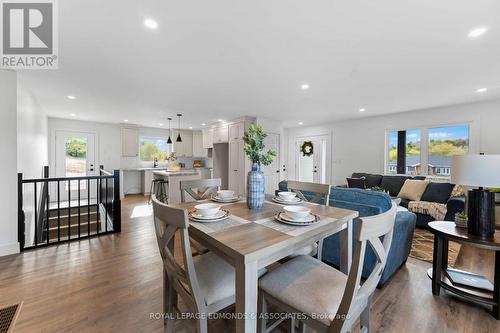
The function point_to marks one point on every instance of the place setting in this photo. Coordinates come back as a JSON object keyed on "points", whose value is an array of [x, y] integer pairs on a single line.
{"points": [[207, 213], [287, 198], [297, 215], [225, 196]]}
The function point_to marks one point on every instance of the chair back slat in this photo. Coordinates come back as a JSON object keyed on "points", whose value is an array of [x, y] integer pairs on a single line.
{"points": [[320, 191], [204, 188], [356, 297], [169, 223]]}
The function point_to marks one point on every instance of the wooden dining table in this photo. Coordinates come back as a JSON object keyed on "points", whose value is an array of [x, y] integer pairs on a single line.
{"points": [[251, 239]]}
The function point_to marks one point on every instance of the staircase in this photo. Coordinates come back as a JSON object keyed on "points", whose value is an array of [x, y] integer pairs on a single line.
{"points": [[68, 222]]}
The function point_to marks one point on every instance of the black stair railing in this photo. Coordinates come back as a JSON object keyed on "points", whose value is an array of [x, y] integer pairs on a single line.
{"points": [[62, 209]]}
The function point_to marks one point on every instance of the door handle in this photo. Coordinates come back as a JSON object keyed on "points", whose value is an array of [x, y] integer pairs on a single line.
{"points": [[277, 171]]}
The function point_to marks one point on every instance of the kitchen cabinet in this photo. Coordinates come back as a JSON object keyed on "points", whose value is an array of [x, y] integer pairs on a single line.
{"points": [[198, 149], [130, 142], [236, 131], [184, 148], [221, 134], [239, 165], [208, 138]]}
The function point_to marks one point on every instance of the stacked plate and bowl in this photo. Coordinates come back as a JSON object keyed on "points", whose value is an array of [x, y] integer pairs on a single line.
{"points": [[225, 196], [292, 213], [208, 212], [287, 198]]}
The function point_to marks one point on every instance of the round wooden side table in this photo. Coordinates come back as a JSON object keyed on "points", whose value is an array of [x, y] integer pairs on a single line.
{"points": [[469, 285]]}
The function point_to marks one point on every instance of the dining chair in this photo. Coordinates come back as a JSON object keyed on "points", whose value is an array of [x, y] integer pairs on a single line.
{"points": [[206, 283], [329, 300], [204, 188], [321, 195]]}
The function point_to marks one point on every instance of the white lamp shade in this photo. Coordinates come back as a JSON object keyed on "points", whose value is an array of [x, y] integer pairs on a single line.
{"points": [[476, 170]]}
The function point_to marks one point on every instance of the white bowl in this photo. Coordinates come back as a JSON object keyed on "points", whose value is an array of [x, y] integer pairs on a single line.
{"points": [[225, 194], [287, 196], [297, 212], [207, 209]]}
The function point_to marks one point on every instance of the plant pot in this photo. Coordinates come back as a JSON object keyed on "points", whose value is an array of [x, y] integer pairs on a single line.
{"points": [[255, 187]]}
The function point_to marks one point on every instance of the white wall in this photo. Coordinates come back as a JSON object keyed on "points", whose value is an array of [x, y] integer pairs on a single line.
{"points": [[8, 169], [359, 145]]}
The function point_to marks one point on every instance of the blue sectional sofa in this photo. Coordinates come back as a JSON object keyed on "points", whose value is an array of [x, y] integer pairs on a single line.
{"points": [[369, 203]]}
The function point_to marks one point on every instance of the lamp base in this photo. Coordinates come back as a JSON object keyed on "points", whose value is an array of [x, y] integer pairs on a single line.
{"points": [[481, 213]]}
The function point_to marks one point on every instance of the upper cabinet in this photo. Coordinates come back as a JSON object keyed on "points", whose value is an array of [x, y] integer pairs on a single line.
{"points": [[198, 147], [130, 142], [184, 148], [236, 131], [208, 138], [221, 134]]}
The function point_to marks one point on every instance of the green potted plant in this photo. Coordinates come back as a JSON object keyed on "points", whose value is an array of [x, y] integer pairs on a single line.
{"points": [[497, 194], [461, 219], [255, 150]]}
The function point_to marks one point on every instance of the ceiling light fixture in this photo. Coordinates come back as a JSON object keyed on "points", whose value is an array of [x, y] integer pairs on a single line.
{"points": [[125, 120], [169, 141], [71, 97], [301, 123], [476, 32], [151, 24], [160, 124], [482, 90], [304, 86], [72, 115], [203, 124], [362, 110], [179, 139], [190, 127]]}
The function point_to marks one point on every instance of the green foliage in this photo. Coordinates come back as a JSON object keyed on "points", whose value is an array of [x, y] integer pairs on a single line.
{"points": [[76, 147], [448, 148], [149, 151], [254, 146]]}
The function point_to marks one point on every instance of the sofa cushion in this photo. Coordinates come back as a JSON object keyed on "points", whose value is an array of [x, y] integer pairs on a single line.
{"points": [[438, 192], [413, 189], [404, 203], [371, 180], [393, 184], [356, 182]]}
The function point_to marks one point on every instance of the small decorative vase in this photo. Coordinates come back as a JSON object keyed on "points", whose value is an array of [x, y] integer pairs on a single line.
{"points": [[255, 187]]}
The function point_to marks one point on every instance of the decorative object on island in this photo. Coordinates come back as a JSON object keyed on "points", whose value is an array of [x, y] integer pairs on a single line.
{"points": [[172, 166], [254, 149], [179, 139], [478, 171], [461, 220], [307, 148], [169, 141]]}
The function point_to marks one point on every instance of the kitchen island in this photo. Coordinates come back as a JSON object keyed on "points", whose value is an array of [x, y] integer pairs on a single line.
{"points": [[174, 179]]}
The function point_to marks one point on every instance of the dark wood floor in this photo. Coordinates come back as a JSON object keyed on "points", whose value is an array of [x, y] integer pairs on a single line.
{"points": [[113, 284]]}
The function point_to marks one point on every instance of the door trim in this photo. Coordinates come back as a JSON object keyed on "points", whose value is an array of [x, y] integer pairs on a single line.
{"points": [[328, 157]]}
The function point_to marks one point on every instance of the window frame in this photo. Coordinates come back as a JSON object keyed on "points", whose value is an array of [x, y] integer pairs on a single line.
{"points": [[153, 137]]}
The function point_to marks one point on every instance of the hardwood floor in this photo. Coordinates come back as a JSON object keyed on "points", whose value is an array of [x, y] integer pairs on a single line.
{"points": [[114, 283]]}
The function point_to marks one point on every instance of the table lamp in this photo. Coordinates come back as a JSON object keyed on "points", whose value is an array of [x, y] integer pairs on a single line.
{"points": [[478, 171]]}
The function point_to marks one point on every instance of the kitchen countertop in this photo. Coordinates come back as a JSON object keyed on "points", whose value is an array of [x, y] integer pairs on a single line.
{"points": [[162, 169], [176, 173]]}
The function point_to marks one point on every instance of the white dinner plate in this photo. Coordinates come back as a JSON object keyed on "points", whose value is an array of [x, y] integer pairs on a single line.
{"points": [[220, 200], [280, 217], [198, 217], [284, 202]]}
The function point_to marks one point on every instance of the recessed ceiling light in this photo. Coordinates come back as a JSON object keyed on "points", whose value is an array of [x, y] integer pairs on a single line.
{"points": [[125, 120], [151, 24], [362, 110], [482, 90], [301, 123], [72, 115], [203, 124], [160, 124], [71, 97], [221, 120], [476, 32], [190, 127], [304, 86]]}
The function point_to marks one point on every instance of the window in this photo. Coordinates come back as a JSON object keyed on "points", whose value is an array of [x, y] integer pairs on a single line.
{"points": [[151, 148], [404, 151], [444, 143]]}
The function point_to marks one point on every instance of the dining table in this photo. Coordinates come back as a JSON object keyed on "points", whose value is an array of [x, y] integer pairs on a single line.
{"points": [[251, 239]]}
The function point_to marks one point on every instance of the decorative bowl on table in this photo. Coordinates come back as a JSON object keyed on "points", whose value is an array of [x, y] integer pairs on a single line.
{"points": [[207, 210], [297, 213], [287, 196], [225, 194]]}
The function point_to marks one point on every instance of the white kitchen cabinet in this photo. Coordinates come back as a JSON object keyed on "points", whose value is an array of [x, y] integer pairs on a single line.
{"points": [[184, 148], [221, 134], [198, 150], [208, 138], [236, 131], [239, 165], [130, 142]]}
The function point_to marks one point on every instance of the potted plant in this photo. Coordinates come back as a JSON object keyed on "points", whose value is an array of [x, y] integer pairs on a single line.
{"points": [[497, 194], [254, 149], [461, 220]]}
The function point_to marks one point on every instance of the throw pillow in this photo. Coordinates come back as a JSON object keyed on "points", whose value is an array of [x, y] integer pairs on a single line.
{"points": [[413, 189], [438, 192], [356, 182]]}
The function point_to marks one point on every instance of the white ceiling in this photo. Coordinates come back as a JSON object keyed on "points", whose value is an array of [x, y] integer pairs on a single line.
{"points": [[224, 59]]}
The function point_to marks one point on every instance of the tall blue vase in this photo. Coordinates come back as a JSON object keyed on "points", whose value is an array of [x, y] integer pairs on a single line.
{"points": [[255, 187]]}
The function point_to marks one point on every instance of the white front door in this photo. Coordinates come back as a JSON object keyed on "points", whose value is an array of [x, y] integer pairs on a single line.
{"points": [[310, 159], [271, 171], [75, 157]]}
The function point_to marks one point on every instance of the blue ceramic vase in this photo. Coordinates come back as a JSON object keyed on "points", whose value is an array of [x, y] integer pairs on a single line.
{"points": [[255, 187]]}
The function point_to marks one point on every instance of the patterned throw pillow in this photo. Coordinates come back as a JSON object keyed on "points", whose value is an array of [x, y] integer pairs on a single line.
{"points": [[458, 191]]}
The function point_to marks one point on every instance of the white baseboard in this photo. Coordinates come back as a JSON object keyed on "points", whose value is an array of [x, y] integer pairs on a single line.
{"points": [[7, 249]]}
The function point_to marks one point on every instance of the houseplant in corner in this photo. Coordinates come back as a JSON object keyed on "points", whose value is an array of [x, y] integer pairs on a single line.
{"points": [[254, 149]]}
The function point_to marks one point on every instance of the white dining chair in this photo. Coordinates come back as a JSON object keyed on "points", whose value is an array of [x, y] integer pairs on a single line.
{"points": [[329, 300], [206, 283]]}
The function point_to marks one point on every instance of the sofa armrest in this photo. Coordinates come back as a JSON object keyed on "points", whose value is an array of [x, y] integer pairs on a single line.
{"points": [[454, 205]]}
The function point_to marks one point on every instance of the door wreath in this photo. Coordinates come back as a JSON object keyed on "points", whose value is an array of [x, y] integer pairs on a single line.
{"points": [[307, 148]]}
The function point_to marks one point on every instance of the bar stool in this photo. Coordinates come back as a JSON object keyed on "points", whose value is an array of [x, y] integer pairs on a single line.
{"points": [[162, 190], [152, 188]]}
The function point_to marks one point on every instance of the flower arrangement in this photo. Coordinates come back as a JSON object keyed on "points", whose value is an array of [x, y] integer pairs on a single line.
{"points": [[171, 157], [254, 146]]}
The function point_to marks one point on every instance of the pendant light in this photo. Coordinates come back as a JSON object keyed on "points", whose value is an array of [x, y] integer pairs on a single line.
{"points": [[169, 141], [179, 139]]}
